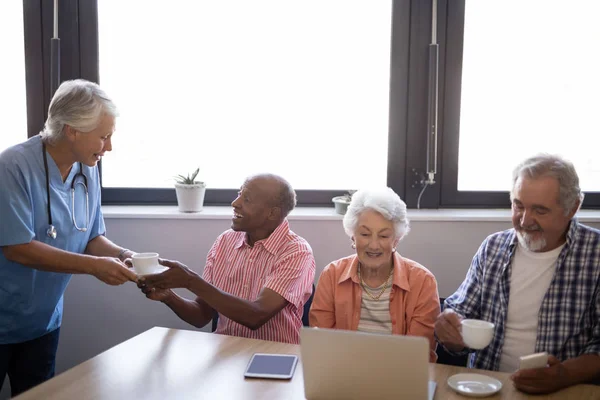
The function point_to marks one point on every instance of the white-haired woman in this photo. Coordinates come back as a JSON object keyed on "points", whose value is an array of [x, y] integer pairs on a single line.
{"points": [[48, 233], [377, 290]]}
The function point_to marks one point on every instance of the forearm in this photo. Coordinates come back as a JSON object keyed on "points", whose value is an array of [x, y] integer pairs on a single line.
{"points": [[190, 311], [244, 312], [101, 246], [582, 369], [41, 256]]}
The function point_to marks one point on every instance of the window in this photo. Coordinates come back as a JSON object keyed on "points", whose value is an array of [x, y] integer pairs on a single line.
{"points": [[236, 87], [13, 106], [523, 90], [331, 94]]}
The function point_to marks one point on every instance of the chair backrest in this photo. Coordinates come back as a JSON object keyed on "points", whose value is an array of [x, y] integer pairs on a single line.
{"points": [[215, 321], [307, 305]]}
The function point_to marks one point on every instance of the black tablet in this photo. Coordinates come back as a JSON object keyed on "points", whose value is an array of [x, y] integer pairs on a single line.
{"points": [[272, 366]]}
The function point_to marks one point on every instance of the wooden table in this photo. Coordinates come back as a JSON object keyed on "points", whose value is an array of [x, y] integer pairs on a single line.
{"points": [[177, 364]]}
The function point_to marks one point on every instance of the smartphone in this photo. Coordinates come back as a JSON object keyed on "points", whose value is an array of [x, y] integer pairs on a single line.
{"points": [[271, 366], [537, 360]]}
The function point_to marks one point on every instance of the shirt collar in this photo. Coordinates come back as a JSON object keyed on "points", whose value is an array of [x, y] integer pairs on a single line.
{"points": [[271, 243], [399, 278]]}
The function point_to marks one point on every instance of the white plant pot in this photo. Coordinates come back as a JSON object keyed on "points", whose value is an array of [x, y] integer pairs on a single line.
{"points": [[341, 204], [190, 198]]}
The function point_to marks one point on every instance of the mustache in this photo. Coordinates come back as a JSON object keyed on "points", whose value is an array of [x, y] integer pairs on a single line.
{"points": [[530, 228]]}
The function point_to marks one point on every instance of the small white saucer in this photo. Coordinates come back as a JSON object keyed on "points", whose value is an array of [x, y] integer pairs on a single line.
{"points": [[474, 385], [159, 270]]}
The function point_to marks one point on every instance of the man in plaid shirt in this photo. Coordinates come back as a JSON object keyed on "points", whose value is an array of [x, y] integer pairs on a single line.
{"points": [[537, 283]]}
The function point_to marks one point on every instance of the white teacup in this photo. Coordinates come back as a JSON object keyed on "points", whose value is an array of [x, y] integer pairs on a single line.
{"points": [[145, 263], [477, 334]]}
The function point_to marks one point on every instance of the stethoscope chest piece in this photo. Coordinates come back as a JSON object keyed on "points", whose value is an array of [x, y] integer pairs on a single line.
{"points": [[51, 232]]}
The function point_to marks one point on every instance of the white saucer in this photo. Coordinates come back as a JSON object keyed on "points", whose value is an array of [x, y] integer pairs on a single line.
{"points": [[474, 385], [159, 270]]}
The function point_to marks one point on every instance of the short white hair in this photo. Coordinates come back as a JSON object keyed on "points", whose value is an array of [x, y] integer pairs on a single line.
{"points": [[554, 166], [79, 104], [385, 201]]}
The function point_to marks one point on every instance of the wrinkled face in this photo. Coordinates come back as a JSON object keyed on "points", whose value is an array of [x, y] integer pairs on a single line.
{"points": [[537, 216], [375, 238], [252, 208], [89, 147]]}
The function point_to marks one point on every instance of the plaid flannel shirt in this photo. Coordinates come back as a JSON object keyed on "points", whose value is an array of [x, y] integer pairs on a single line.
{"points": [[569, 317]]}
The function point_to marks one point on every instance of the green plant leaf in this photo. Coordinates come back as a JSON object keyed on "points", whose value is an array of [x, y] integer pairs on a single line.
{"points": [[187, 179]]}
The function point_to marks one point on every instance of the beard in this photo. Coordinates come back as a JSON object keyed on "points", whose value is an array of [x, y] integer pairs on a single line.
{"points": [[528, 241]]}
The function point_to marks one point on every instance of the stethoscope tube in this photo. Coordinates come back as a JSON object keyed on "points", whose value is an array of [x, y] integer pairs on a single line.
{"points": [[51, 231]]}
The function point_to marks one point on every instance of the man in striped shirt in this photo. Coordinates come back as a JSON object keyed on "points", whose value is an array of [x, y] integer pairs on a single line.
{"points": [[538, 283], [258, 274]]}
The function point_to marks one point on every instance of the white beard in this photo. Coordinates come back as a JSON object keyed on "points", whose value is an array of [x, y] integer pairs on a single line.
{"points": [[526, 240]]}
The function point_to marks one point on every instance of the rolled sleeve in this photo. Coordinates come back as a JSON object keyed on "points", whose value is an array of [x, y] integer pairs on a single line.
{"points": [[292, 277], [467, 298]]}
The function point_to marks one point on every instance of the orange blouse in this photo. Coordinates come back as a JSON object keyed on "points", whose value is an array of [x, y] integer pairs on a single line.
{"points": [[414, 299]]}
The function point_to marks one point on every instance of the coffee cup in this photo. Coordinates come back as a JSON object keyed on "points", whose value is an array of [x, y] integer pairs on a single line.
{"points": [[145, 263], [477, 334]]}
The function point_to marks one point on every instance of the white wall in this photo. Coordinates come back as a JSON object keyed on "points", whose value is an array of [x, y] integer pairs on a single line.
{"points": [[97, 316]]}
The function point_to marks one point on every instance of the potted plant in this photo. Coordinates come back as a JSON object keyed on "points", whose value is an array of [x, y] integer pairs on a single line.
{"points": [[342, 202], [190, 192]]}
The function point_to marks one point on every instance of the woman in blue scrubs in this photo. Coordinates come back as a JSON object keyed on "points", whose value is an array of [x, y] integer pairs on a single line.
{"points": [[51, 226]]}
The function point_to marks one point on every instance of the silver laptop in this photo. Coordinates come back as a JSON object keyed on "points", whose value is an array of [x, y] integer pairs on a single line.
{"points": [[352, 365]]}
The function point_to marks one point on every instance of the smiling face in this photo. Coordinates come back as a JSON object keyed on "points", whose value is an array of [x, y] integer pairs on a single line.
{"points": [[89, 147], [375, 239], [254, 210], [537, 216]]}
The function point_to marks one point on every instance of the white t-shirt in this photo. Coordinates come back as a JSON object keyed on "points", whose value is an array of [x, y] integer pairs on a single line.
{"points": [[530, 279]]}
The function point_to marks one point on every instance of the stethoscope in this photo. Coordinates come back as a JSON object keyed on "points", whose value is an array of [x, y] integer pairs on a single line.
{"points": [[51, 232]]}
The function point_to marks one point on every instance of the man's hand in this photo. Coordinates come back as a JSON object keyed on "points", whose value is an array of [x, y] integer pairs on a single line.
{"points": [[178, 276], [448, 330], [154, 293], [112, 271], [542, 380]]}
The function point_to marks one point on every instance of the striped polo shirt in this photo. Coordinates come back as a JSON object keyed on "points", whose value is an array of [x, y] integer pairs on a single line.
{"points": [[283, 262]]}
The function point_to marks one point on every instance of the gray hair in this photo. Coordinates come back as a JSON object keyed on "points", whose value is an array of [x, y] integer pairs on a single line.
{"points": [[286, 199], [79, 104], [543, 165], [385, 201]]}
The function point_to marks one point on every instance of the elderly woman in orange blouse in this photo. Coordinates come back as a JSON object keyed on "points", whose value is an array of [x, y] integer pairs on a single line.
{"points": [[377, 290]]}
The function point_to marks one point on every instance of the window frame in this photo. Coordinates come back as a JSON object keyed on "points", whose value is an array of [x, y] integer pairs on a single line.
{"points": [[450, 196], [396, 134], [407, 124], [34, 66]]}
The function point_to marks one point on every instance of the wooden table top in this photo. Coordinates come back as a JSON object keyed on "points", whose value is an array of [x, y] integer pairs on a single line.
{"points": [[166, 363]]}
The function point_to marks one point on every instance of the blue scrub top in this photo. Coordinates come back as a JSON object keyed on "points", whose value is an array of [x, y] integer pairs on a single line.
{"points": [[31, 301]]}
